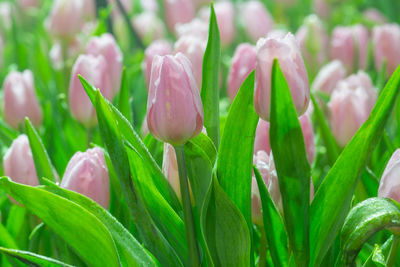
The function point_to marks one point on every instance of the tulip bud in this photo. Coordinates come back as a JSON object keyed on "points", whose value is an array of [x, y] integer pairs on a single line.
{"points": [[170, 168], [313, 41], [157, 48], [28, 4], [193, 48], [18, 162], [87, 174], [329, 76], [225, 14], [148, 26], [288, 53], [389, 185], [374, 16], [20, 99], [174, 108], [106, 46], [95, 70], [196, 27], [66, 18], [350, 45], [243, 62], [350, 104], [254, 14], [386, 42], [178, 11]]}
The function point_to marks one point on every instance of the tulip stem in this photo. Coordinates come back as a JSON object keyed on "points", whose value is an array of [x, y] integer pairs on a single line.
{"points": [[194, 255], [391, 260]]}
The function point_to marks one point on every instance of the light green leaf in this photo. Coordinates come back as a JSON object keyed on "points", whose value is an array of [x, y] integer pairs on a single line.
{"points": [[33, 259]]}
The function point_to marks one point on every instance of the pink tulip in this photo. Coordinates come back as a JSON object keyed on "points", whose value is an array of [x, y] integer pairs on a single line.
{"points": [[157, 48], [386, 42], [346, 42], [329, 76], [243, 62], [96, 71], [87, 174], [170, 168], [375, 16], [66, 18], [389, 186], [313, 40], [196, 27], [18, 162], [148, 26], [178, 11], [174, 108], [28, 4], [261, 141], [225, 14], [256, 19], [150, 5], [20, 99], [350, 105], [322, 8], [287, 51], [193, 48], [106, 46]]}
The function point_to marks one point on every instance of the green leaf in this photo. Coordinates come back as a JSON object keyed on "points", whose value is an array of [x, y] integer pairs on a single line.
{"points": [[123, 103], [7, 134], [235, 159], [6, 240], [277, 237], [290, 158], [364, 220], [210, 80], [33, 259], [224, 229], [97, 248], [129, 249], [332, 200], [41, 159]]}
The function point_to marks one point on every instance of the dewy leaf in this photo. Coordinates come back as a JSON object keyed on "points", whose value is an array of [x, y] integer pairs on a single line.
{"points": [[96, 247], [332, 200], [235, 159], [41, 159], [210, 80], [364, 220], [276, 236], [290, 158], [123, 103], [33, 259]]}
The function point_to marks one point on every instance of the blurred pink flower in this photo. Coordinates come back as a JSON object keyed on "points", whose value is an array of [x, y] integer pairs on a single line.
{"points": [[148, 26], [329, 76], [196, 27], [156, 48], [375, 16], [256, 19], [178, 11]]}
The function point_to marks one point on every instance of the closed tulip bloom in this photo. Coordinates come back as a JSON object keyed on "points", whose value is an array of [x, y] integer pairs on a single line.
{"points": [[256, 19], [386, 42], [389, 186], [66, 18], [261, 140], [193, 48], [95, 70], [350, 105], [18, 162], [287, 51], [375, 16], [174, 108], [106, 46], [243, 62], [350, 45], [87, 174], [157, 48], [329, 76], [20, 99], [196, 27], [148, 26], [178, 11], [170, 168]]}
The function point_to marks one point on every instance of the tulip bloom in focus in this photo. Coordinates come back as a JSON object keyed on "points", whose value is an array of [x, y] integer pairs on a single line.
{"points": [[174, 108]]}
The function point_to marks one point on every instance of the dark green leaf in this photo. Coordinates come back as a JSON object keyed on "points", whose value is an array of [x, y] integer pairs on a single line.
{"points": [[33, 259]]}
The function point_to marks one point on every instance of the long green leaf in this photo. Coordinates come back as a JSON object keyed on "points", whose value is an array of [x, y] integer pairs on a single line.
{"points": [[6, 239], [235, 159], [123, 103], [210, 80], [290, 158], [33, 259], [69, 221], [332, 200]]}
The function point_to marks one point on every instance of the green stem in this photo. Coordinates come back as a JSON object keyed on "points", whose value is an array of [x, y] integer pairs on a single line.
{"points": [[263, 249], [393, 251], [194, 255]]}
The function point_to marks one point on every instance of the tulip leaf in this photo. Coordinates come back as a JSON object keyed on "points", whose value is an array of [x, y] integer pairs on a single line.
{"points": [[7, 134], [290, 158], [271, 217], [97, 248], [33, 259], [332, 200], [123, 103], [130, 251], [235, 159], [41, 159], [6, 239], [210, 80], [364, 220]]}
